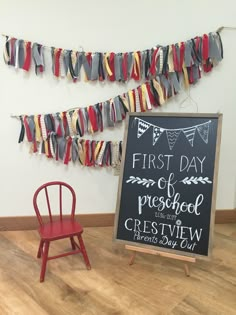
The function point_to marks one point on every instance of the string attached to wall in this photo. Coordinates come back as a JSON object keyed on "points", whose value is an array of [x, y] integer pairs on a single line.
{"points": [[229, 28]]}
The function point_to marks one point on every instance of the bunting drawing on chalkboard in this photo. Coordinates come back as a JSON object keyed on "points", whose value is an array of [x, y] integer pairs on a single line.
{"points": [[173, 134]]}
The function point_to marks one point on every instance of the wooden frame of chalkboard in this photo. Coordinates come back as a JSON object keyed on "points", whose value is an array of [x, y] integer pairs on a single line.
{"points": [[167, 187]]}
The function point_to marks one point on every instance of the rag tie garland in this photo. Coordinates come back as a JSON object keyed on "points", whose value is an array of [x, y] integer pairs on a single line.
{"points": [[165, 67], [200, 52]]}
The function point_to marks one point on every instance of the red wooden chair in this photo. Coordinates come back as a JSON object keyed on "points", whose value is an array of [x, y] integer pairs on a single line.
{"points": [[59, 227]]}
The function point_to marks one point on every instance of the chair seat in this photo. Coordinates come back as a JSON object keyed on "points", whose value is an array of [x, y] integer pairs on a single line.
{"points": [[60, 229]]}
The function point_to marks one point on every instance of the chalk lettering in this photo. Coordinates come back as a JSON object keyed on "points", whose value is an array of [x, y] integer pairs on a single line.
{"points": [[151, 161]]}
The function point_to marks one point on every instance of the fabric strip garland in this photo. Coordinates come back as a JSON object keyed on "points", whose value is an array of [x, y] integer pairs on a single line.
{"points": [[191, 57], [92, 153], [164, 68]]}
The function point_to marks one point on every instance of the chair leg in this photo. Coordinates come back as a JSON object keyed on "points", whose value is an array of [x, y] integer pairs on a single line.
{"points": [[40, 249], [44, 260], [72, 241], [84, 253]]}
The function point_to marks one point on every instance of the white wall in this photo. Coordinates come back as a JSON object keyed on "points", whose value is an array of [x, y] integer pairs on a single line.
{"points": [[104, 26]]}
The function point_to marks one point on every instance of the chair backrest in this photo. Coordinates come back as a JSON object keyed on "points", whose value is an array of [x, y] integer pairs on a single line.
{"points": [[43, 191]]}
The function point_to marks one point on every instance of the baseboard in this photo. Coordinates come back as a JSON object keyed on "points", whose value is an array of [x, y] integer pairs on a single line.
{"points": [[225, 216], [31, 223], [92, 220]]}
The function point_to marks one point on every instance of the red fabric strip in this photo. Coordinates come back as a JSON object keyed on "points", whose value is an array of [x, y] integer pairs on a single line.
{"points": [[27, 129], [151, 97], [49, 150], [27, 62], [191, 75], [64, 121], [57, 62], [93, 146], [182, 51], [68, 151], [154, 62], [205, 47], [89, 58], [175, 58], [35, 148], [87, 149], [101, 123], [93, 118]]}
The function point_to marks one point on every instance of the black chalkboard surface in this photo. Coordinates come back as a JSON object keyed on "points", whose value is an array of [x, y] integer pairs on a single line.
{"points": [[167, 188]]}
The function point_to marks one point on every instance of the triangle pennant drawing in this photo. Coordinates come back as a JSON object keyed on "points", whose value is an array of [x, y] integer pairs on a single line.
{"points": [[203, 131], [190, 134], [157, 132], [172, 136], [142, 127]]}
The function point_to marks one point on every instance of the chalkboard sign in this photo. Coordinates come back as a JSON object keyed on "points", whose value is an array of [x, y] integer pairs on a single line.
{"points": [[167, 188]]}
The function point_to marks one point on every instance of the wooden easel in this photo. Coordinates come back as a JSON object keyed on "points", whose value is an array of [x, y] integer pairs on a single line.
{"points": [[162, 254]]}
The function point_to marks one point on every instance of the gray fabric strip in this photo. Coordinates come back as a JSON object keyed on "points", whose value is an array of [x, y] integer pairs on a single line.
{"points": [[32, 126], [56, 121], [79, 62], [195, 73], [130, 63], [117, 60], [61, 147], [21, 53], [48, 122], [37, 57], [121, 70], [117, 106], [85, 117], [174, 81], [74, 149], [109, 112], [95, 64], [165, 82], [214, 47], [106, 113], [87, 67], [66, 56], [188, 53], [122, 111]]}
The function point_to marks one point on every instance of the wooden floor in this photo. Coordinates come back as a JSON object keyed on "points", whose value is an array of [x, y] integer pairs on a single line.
{"points": [[153, 285]]}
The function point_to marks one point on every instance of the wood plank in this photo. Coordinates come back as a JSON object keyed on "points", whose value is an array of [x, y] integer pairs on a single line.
{"points": [[153, 285]]}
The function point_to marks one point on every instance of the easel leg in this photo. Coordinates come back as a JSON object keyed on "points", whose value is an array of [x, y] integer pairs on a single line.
{"points": [[186, 269], [132, 259]]}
